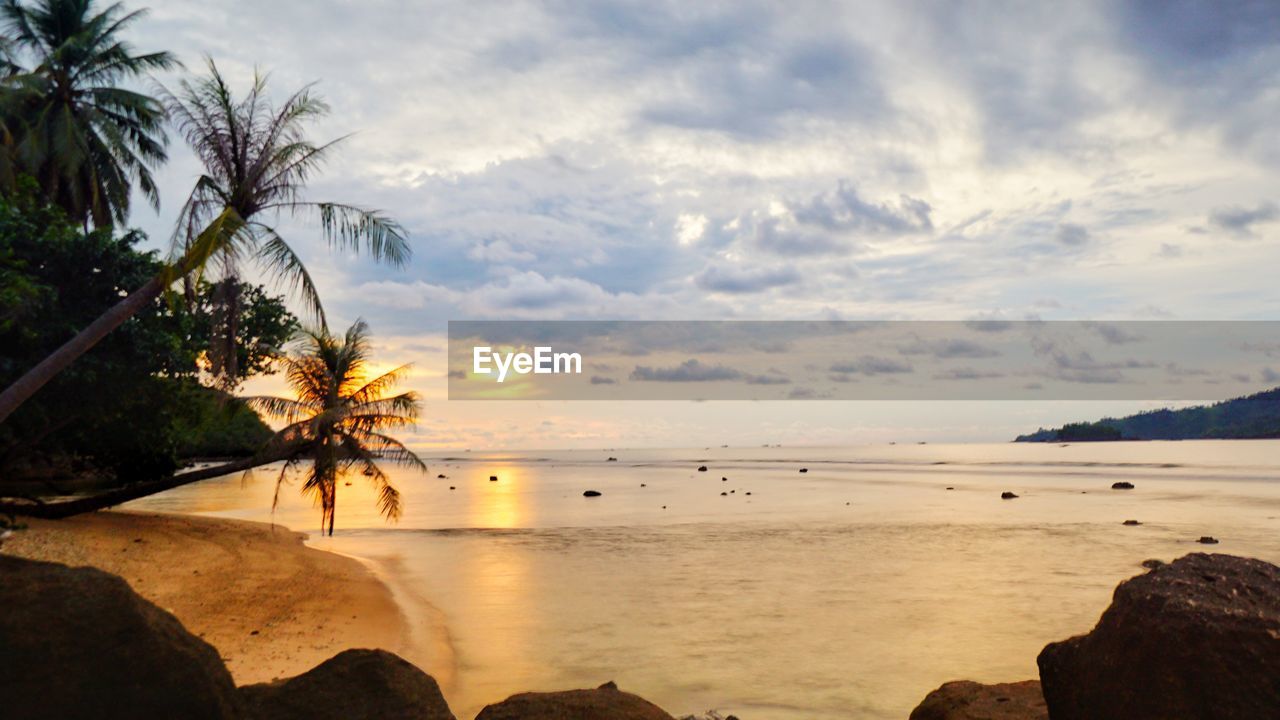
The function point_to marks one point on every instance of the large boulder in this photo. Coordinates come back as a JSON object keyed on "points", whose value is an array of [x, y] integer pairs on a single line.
{"points": [[606, 702], [352, 685], [1196, 638], [79, 643], [966, 700]]}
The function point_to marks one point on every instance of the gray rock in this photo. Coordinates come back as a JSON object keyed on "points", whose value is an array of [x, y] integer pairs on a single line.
{"points": [[352, 685], [966, 700], [80, 643], [1196, 638], [606, 702]]}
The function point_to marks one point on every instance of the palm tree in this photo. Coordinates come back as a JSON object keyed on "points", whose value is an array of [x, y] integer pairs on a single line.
{"points": [[257, 163], [340, 419], [66, 121]]}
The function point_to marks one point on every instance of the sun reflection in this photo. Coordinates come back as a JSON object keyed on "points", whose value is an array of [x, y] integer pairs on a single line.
{"points": [[499, 504]]}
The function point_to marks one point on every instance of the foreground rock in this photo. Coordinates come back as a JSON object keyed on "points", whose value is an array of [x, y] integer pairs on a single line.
{"points": [[606, 702], [352, 685], [79, 643], [1196, 638], [965, 700]]}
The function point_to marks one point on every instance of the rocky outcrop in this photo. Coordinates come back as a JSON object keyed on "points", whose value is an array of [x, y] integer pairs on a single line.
{"points": [[606, 702], [965, 700], [352, 685], [1195, 638], [79, 643]]}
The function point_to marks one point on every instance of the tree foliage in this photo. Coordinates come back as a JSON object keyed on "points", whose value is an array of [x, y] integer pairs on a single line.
{"points": [[133, 405], [1253, 416], [68, 120]]}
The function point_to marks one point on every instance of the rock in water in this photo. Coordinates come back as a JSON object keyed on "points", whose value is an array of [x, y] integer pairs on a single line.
{"points": [[965, 700], [1207, 540], [606, 702], [80, 643], [702, 468], [1122, 485], [1196, 638], [591, 493], [352, 685], [1006, 495]]}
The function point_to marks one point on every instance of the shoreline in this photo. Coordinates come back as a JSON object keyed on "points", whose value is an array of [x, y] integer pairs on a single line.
{"points": [[272, 604]]}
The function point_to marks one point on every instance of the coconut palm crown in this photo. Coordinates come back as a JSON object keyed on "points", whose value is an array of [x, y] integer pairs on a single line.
{"points": [[66, 117], [340, 420]]}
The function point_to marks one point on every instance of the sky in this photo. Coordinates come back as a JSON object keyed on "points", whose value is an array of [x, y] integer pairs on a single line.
{"points": [[769, 161]]}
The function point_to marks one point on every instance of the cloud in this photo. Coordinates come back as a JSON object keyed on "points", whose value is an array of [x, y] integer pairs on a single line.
{"points": [[871, 365], [844, 210], [1113, 334], [738, 280], [690, 370], [1270, 376], [601, 380], [967, 373], [948, 348], [772, 378], [1071, 235], [1240, 221]]}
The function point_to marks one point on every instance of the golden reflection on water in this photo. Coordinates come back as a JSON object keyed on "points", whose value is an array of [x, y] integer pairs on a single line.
{"points": [[500, 505]]}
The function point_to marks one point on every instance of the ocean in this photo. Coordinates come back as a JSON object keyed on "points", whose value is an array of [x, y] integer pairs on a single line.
{"points": [[847, 591]]}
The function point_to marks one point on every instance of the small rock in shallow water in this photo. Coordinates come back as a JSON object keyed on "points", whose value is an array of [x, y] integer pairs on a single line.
{"points": [[591, 493], [1131, 522], [1207, 540], [1122, 485], [804, 469], [1152, 564], [1006, 495], [702, 468], [493, 478], [440, 476]]}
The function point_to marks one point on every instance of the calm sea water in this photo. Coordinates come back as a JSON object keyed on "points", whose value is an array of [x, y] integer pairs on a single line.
{"points": [[851, 590]]}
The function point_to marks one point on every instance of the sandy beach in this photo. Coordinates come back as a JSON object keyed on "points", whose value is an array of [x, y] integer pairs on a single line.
{"points": [[272, 606]]}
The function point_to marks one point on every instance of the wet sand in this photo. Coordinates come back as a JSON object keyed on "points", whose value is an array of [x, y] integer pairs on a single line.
{"points": [[271, 605]]}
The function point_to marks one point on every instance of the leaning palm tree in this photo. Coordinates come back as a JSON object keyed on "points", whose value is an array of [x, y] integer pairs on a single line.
{"points": [[66, 120], [339, 420], [257, 162]]}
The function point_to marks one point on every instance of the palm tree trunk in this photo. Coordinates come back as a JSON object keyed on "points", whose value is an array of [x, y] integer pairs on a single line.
{"points": [[38, 376], [67, 508]]}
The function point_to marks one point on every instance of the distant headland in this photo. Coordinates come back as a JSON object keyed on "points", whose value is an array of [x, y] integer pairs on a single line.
{"points": [[1251, 417]]}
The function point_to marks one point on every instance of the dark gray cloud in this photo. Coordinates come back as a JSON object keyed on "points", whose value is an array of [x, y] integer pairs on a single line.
{"points": [[948, 348], [690, 370], [771, 378], [772, 236], [843, 209], [601, 380], [1114, 334], [1071, 235], [872, 365], [736, 280], [968, 373], [1240, 221], [1270, 376]]}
